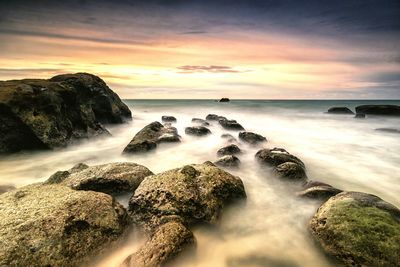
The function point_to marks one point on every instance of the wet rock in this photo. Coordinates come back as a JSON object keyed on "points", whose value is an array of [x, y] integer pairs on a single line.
{"points": [[229, 138], [54, 225], [212, 117], [151, 135], [251, 138], [321, 192], [228, 150], [200, 121], [194, 193], [228, 161], [340, 110], [358, 229], [197, 130], [290, 171], [165, 244], [168, 119], [276, 156], [165, 204], [388, 130], [230, 125], [111, 178], [224, 99], [383, 110], [6, 188], [46, 114], [360, 116]]}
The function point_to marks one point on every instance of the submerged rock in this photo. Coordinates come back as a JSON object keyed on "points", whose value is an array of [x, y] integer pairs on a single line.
{"points": [[193, 193], [54, 225], [151, 135], [168, 119], [197, 130], [358, 229], [111, 178], [228, 161], [230, 125], [228, 150], [212, 117], [276, 156], [386, 110], [318, 190], [251, 138], [46, 114], [166, 203], [164, 244], [229, 138], [388, 130], [340, 110], [200, 121]]}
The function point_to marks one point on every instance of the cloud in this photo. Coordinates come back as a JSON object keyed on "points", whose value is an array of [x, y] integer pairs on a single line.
{"points": [[212, 69]]}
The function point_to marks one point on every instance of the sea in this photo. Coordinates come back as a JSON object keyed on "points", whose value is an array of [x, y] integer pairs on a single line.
{"points": [[270, 228]]}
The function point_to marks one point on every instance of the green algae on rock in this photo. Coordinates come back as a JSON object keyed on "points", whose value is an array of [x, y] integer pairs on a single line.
{"points": [[358, 229], [54, 225]]}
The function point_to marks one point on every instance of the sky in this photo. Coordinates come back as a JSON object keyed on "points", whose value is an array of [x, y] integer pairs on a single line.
{"points": [[177, 49]]}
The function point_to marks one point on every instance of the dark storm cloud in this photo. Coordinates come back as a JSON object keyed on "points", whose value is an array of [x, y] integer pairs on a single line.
{"points": [[212, 69]]}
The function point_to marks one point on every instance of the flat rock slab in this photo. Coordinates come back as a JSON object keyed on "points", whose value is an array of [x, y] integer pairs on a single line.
{"points": [[54, 225], [111, 178], [358, 229]]}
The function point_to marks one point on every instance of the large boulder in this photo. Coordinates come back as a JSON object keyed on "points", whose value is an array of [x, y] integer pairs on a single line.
{"points": [[358, 229], [229, 150], [193, 193], [387, 110], [111, 178], [45, 114], [224, 99], [166, 204], [54, 225], [252, 138], [151, 135], [340, 110]]}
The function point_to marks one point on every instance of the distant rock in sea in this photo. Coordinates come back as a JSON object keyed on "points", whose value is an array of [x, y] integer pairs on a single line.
{"points": [[383, 110], [224, 99], [340, 110], [46, 114]]}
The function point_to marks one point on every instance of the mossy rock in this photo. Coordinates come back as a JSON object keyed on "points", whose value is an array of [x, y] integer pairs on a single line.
{"points": [[358, 229], [54, 225], [111, 178]]}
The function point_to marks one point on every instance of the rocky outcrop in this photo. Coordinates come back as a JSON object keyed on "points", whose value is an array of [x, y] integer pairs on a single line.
{"points": [[111, 178], [164, 245], [251, 138], [228, 161], [383, 110], [168, 119], [151, 135], [358, 229], [46, 114], [228, 150], [166, 204], [340, 110], [197, 130], [224, 99], [230, 125], [54, 225]]}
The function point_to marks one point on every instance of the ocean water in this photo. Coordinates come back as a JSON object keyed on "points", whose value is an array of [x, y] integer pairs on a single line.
{"points": [[270, 227]]}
